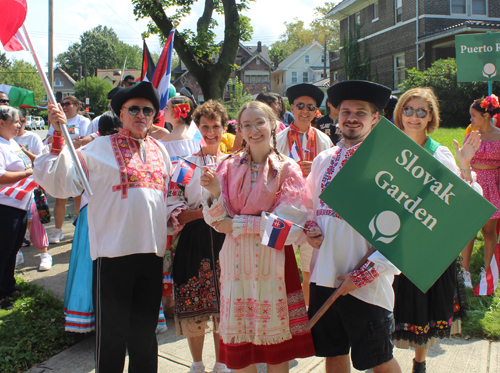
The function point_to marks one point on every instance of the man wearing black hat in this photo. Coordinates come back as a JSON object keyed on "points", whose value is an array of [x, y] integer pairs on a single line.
{"points": [[303, 143], [360, 321], [127, 216]]}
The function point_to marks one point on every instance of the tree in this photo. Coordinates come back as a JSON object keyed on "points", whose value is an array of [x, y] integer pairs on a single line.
{"points": [[23, 74], [4, 61], [98, 90], [237, 97], [197, 50], [297, 35], [356, 67]]}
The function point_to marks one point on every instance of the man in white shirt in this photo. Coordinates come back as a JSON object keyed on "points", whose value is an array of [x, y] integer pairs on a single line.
{"points": [[360, 321]]}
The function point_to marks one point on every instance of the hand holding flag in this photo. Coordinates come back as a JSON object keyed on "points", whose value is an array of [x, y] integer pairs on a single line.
{"points": [[183, 172], [294, 153], [276, 232]]}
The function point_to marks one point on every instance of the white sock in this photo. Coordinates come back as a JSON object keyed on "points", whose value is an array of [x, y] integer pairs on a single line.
{"points": [[220, 366], [197, 364]]}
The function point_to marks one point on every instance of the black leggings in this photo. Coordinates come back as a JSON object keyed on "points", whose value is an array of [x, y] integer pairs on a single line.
{"points": [[13, 223]]}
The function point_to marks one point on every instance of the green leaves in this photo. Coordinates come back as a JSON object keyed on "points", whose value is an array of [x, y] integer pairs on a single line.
{"points": [[98, 90], [25, 75]]}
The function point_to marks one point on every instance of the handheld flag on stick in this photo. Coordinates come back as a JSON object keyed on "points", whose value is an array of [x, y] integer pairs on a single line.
{"points": [[20, 189], [489, 283], [148, 65], [276, 232], [294, 152], [183, 172], [161, 77]]}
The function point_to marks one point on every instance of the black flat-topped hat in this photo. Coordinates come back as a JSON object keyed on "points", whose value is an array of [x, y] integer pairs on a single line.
{"points": [[305, 89], [141, 90], [361, 90], [113, 92]]}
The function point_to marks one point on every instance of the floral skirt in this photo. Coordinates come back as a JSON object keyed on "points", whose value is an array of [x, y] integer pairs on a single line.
{"points": [[422, 318], [196, 275], [490, 183], [240, 355]]}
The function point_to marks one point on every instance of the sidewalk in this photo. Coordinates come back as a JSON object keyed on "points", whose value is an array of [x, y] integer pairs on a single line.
{"points": [[450, 355]]}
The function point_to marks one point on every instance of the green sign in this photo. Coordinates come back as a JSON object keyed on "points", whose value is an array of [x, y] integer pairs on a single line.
{"points": [[478, 57], [409, 206]]}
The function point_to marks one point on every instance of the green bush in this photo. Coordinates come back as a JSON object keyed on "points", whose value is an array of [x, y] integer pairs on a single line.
{"points": [[33, 330], [454, 98]]}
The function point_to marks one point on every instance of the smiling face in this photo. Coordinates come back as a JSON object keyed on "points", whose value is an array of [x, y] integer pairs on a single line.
{"points": [[413, 125], [478, 119], [303, 117], [255, 128], [9, 128], [69, 108], [138, 125], [211, 130], [356, 120]]}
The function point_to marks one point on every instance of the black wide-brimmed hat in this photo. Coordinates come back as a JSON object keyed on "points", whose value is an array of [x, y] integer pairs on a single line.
{"points": [[141, 90], [305, 89], [361, 90], [113, 92]]}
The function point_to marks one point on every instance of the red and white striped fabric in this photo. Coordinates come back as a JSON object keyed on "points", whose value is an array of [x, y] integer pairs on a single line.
{"points": [[20, 189], [489, 283]]}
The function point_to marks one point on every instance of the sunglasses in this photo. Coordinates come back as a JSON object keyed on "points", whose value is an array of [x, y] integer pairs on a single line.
{"points": [[4, 101], [421, 113], [67, 103], [301, 106], [134, 110]]}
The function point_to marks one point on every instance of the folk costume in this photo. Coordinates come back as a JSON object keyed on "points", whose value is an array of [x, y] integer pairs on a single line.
{"points": [[127, 218], [263, 315], [423, 318], [196, 269]]}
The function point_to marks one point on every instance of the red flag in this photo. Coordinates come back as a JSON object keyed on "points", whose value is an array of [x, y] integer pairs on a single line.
{"points": [[489, 282], [13, 16]]}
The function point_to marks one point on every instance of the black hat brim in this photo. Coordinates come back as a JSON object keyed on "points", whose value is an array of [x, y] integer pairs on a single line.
{"points": [[113, 92], [361, 90], [144, 90], [305, 89]]}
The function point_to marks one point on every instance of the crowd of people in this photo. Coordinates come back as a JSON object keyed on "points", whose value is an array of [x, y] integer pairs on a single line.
{"points": [[178, 210]]}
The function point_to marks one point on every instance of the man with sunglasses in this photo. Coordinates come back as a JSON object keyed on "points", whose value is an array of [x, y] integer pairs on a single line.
{"points": [[360, 321], [303, 143], [4, 99], [129, 173]]}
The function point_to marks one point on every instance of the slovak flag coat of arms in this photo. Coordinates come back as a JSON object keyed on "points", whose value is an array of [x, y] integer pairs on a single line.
{"points": [[276, 232]]}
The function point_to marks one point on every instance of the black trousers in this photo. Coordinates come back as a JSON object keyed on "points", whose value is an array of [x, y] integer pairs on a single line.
{"points": [[127, 297], [12, 229]]}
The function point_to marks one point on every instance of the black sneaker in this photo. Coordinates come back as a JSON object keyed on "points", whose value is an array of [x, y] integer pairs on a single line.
{"points": [[5, 305], [26, 243]]}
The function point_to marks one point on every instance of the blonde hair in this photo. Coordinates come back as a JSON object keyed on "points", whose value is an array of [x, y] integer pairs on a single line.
{"points": [[426, 94]]}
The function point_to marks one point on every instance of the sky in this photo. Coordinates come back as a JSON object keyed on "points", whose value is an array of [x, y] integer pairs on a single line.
{"points": [[73, 18]]}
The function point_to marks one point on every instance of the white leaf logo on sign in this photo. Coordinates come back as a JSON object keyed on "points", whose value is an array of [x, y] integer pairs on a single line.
{"points": [[387, 224], [489, 70]]}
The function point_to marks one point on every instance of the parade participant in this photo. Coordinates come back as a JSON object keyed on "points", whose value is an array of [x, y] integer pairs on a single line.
{"points": [[14, 166], [305, 99], [4, 99], [486, 164], [328, 123], [272, 100], [196, 269], [422, 318], [127, 216], [263, 312], [77, 127], [360, 321]]}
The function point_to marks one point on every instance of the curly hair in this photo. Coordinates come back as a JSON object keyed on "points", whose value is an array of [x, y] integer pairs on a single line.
{"points": [[211, 109], [425, 93]]}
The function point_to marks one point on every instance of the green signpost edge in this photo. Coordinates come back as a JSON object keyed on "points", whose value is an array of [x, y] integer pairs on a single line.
{"points": [[409, 206]]}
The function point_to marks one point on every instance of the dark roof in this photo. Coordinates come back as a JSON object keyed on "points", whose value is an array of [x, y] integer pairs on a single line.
{"points": [[454, 29]]}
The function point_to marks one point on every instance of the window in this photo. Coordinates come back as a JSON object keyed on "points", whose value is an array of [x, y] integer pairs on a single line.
{"points": [[398, 5], [307, 58], [257, 61], [294, 77], [335, 75], [375, 11], [305, 77], [323, 58], [184, 80], [459, 6], [58, 83], [469, 7], [479, 7], [357, 18], [257, 79], [399, 69]]}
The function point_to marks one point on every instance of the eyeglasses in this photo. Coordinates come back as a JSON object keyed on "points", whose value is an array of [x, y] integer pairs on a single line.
{"points": [[67, 103], [134, 110], [301, 106], [421, 113], [247, 127], [2, 101]]}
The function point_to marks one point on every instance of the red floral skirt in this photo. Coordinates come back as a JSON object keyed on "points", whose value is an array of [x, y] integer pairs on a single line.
{"points": [[240, 355]]}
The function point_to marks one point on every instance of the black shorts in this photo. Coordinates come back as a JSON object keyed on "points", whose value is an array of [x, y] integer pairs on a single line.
{"points": [[351, 324]]}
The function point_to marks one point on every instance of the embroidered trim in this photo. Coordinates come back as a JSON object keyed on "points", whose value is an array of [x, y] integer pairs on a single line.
{"points": [[216, 211], [364, 276], [175, 214], [252, 225], [311, 224], [58, 143], [83, 163]]}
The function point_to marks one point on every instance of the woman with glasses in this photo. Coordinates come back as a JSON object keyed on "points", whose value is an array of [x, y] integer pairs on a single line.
{"points": [[486, 164], [77, 126], [14, 167], [422, 318], [263, 313]]}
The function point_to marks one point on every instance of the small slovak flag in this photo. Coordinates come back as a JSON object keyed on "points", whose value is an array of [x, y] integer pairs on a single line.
{"points": [[294, 152], [20, 189], [489, 283], [183, 172], [276, 232]]}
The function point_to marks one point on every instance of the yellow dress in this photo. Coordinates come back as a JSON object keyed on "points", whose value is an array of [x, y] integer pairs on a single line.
{"points": [[227, 143]]}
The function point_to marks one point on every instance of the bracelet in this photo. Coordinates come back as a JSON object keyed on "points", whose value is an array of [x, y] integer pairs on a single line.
{"points": [[58, 143], [466, 170]]}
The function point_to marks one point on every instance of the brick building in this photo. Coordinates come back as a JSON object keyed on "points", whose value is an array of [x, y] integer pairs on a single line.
{"points": [[254, 70], [403, 34]]}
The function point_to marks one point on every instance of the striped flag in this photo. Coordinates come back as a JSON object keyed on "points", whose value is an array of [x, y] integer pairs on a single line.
{"points": [[294, 152], [489, 283], [183, 172], [276, 232], [148, 65], [20, 189], [161, 77]]}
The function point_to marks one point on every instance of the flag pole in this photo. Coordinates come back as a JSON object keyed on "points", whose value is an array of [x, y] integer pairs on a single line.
{"points": [[64, 129]]}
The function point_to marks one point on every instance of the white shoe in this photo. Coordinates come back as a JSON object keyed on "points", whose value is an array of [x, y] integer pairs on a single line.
{"points": [[56, 236], [221, 368], [197, 369], [19, 258], [45, 262], [467, 279]]}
